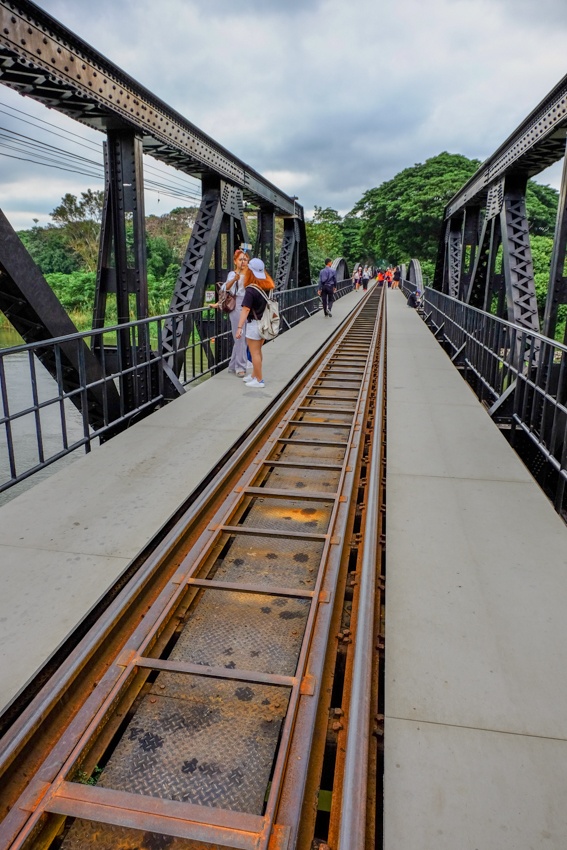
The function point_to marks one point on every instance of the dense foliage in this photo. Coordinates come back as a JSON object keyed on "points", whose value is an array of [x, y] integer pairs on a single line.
{"points": [[391, 223], [402, 217], [67, 253]]}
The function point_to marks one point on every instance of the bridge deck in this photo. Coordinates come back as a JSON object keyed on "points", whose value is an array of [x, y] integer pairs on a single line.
{"points": [[476, 634], [67, 540]]}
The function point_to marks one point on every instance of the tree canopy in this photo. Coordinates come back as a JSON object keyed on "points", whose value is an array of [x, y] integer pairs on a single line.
{"points": [[402, 217]]}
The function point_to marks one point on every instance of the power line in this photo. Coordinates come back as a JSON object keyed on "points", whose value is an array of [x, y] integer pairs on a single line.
{"points": [[192, 189]]}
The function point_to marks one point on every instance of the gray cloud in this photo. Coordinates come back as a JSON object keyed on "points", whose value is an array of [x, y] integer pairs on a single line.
{"points": [[326, 98]]}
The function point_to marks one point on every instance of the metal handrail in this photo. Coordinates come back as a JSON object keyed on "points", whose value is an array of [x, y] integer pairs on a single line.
{"points": [[521, 376], [207, 352]]}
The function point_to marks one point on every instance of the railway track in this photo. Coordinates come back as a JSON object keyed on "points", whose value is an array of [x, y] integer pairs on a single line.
{"points": [[210, 706]]}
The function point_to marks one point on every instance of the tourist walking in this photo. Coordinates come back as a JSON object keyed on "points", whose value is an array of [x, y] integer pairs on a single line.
{"points": [[256, 281], [327, 287], [357, 277], [365, 277]]}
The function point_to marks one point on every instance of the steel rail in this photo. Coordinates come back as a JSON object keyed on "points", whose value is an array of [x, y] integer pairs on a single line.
{"points": [[301, 777], [352, 835], [138, 581], [43, 59], [134, 660]]}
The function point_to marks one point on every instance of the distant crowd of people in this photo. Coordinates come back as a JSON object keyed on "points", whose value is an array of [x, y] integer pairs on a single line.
{"points": [[362, 275]]}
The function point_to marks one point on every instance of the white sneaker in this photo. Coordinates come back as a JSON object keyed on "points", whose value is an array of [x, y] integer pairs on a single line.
{"points": [[248, 378], [254, 384]]}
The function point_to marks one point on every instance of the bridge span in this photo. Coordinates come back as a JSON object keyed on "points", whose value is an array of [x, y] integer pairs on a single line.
{"points": [[466, 728]]}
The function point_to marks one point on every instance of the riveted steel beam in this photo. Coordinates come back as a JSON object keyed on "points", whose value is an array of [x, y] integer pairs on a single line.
{"points": [[557, 292], [517, 258], [471, 235], [41, 58], [537, 142]]}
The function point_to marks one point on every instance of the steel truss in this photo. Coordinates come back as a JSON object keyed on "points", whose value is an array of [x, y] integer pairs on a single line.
{"points": [[484, 256], [557, 292], [40, 58]]}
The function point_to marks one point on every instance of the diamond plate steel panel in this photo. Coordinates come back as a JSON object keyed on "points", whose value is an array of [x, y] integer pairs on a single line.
{"points": [[293, 515], [332, 401], [181, 744], [315, 480], [85, 834], [337, 393], [291, 453], [244, 631], [313, 415], [258, 561], [310, 431]]}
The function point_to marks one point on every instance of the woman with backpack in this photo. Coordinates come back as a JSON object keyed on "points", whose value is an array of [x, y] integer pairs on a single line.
{"points": [[235, 285], [256, 281]]}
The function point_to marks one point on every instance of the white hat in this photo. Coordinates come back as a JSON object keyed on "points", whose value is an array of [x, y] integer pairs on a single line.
{"points": [[256, 266]]}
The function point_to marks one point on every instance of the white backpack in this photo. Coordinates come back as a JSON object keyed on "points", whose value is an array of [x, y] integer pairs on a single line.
{"points": [[269, 324]]}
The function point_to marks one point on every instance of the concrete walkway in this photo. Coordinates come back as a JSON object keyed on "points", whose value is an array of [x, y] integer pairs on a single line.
{"points": [[476, 624], [67, 540]]}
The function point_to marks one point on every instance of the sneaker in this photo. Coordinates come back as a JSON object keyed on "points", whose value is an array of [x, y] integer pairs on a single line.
{"points": [[255, 384], [329, 313], [248, 378]]}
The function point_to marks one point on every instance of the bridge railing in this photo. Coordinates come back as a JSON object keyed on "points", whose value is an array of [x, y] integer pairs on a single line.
{"points": [[42, 420], [519, 375]]}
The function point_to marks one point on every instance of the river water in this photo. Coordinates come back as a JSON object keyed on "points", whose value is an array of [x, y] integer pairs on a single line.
{"points": [[19, 392]]}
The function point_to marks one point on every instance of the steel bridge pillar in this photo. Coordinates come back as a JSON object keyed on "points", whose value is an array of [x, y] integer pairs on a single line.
{"points": [[219, 227], [517, 256], [557, 292], [293, 261], [453, 256], [469, 249], [122, 270], [266, 247]]}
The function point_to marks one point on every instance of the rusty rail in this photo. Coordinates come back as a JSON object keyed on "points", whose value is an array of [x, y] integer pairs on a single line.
{"points": [[353, 827], [201, 733]]}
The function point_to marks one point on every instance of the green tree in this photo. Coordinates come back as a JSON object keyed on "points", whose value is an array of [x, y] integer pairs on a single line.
{"points": [[75, 291], [353, 250], [80, 223], [49, 250], [324, 238], [402, 218], [541, 208], [174, 228]]}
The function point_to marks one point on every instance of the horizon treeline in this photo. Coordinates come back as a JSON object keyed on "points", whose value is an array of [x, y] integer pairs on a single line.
{"points": [[399, 220]]}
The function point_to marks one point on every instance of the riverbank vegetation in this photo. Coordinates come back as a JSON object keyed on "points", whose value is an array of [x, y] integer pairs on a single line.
{"points": [[390, 224]]}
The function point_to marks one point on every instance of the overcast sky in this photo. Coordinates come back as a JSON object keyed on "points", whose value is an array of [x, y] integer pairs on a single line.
{"points": [[326, 98]]}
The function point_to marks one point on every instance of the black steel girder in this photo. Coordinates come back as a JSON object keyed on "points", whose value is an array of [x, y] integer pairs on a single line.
{"points": [[537, 142], [41, 58], [517, 256], [287, 273], [557, 292]]}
